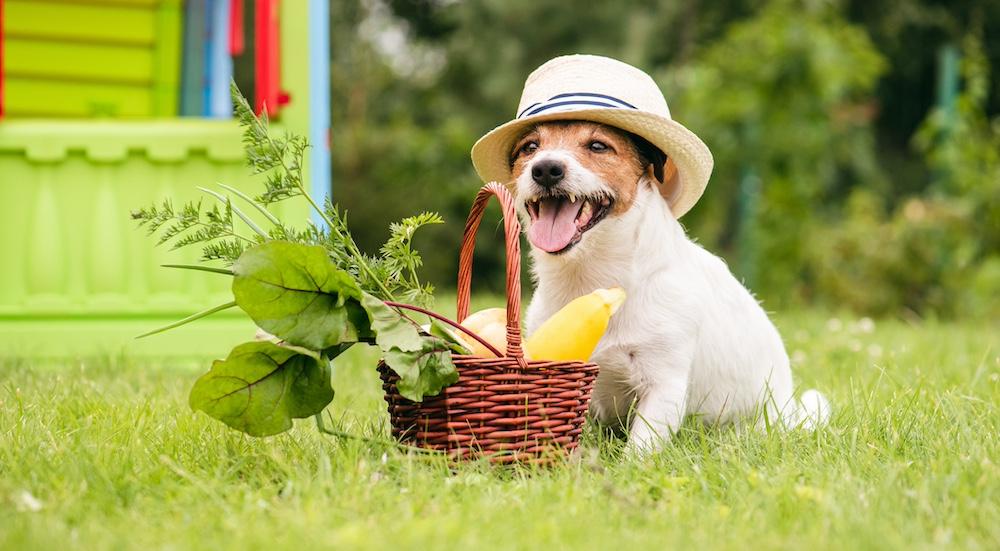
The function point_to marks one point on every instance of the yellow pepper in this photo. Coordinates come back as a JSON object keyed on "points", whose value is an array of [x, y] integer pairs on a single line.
{"points": [[571, 334]]}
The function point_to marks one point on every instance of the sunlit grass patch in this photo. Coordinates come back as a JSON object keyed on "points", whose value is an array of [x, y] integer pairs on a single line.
{"points": [[105, 453]]}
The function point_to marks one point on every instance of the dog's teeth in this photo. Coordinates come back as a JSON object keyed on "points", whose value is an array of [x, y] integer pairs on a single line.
{"points": [[572, 197]]}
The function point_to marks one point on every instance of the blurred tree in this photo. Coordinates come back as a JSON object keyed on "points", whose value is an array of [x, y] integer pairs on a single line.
{"points": [[910, 33], [787, 89], [787, 93], [936, 252]]}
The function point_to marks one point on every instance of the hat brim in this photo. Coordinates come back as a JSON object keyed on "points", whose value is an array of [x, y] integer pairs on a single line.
{"points": [[491, 154]]}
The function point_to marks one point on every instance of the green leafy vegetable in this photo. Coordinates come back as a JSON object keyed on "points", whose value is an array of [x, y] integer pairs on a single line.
{"points": [[313, 290], [391, 329], [424, 371], [295, 292], [423, 362], [261, 386]]}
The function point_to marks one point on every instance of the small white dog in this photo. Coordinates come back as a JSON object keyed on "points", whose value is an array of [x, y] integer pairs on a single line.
{"points": [[600, 174], [690, 339]]}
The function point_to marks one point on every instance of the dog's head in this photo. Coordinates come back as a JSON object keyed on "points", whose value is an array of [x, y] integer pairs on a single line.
{"points": [[572, 176]]}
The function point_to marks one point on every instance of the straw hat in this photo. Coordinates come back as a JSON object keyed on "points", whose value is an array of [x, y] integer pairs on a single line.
{"points": [[603, 90]]}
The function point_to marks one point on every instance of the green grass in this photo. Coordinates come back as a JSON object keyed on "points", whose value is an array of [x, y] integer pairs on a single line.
{"points": [[112, 457]]}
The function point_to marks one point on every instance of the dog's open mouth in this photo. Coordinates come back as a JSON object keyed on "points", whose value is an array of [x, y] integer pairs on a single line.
{"points": [[559, 221]]}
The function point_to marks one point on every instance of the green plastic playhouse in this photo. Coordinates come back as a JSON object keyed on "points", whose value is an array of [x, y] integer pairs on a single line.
{"points": [[89, 130]]}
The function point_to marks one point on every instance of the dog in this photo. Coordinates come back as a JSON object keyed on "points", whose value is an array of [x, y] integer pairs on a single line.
{"points": [[690, 339]]}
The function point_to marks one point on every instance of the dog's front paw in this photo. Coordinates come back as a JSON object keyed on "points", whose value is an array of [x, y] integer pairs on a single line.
{"points": [[644, 440]]}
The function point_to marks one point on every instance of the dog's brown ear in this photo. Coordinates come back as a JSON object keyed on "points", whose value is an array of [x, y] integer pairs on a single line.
{"points": [[671, 182]]}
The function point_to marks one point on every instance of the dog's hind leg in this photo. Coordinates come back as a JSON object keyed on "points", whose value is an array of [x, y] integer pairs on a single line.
{"points": [[612, 401]]}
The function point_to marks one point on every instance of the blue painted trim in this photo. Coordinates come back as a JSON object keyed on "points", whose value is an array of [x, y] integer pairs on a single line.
{"points": [[218, 103], [206, 64], [319, 102]]}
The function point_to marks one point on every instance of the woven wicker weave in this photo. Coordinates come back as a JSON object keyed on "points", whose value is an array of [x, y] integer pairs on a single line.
{"points": [[508, 408]]}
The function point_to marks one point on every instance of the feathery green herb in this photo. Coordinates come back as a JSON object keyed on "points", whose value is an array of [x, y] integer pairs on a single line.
{"points": [[391, 275]]}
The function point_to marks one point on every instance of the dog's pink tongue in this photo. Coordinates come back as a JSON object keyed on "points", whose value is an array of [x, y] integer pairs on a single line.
{"points": [[556, 224]]}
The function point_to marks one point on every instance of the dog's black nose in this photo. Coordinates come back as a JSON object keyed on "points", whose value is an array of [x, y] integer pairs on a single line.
{"points": [[548, 173]]}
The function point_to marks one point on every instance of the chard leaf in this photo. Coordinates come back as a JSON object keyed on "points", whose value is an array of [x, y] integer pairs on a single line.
{"points": [[390, 327], [261, 386], [422, 362], [296, 293], [422, 372]]}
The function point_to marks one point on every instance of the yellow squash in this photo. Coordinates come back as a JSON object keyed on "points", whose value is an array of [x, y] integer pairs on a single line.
{"points": [[573, 332]]}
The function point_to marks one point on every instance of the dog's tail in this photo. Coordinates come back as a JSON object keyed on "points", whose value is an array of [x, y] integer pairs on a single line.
{"points": [[811, 411]]}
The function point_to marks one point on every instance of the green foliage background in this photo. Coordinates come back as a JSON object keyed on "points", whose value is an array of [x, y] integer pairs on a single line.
{"points": [[837, 181]]}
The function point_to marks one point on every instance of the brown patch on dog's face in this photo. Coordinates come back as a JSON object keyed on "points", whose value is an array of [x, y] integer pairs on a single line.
{"points": [[607, 152], [570, 175]]}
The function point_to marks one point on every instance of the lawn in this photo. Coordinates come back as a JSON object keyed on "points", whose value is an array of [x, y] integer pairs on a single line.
{"points": [[105, 453]]}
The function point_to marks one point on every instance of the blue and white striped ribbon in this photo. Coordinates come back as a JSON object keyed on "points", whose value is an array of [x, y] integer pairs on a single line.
{"points": [[574, 101]]}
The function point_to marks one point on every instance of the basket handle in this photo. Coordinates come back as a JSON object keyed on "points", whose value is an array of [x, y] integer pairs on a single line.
{"points": [[512, 235]]}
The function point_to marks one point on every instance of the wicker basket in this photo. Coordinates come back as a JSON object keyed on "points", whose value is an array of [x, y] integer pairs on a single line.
{"points": [[507, 408]]}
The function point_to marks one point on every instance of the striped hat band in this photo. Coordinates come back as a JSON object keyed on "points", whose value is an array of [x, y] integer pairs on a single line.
{"points": [[572, 101]]}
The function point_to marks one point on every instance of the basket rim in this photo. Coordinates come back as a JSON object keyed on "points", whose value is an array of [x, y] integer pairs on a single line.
{"points": [[531, 363]]}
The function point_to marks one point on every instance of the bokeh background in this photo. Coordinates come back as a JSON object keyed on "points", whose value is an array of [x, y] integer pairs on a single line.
{"points": [[857, 143]]}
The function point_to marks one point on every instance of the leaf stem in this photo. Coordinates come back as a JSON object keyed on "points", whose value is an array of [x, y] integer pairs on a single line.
{"points": [[212, 269], [351, 245], [229, 204], [270, 217], [189, 319]]}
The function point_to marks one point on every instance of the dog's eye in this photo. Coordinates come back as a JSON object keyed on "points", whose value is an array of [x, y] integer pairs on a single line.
{"points": [[529, 148], [598, 147]]}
